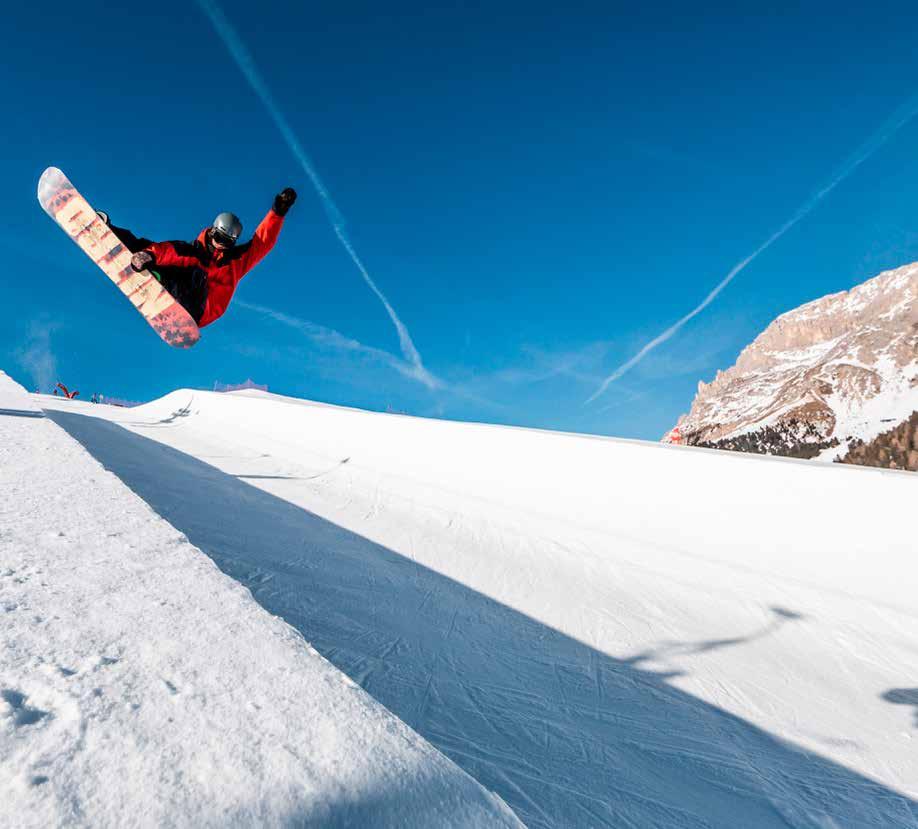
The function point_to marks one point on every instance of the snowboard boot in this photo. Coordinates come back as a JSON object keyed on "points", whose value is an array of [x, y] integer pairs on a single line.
{"points": [[103, 216]]}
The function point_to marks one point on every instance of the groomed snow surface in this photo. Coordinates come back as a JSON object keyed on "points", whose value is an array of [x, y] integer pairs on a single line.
{"points": [[604, 633], [139, 686]]}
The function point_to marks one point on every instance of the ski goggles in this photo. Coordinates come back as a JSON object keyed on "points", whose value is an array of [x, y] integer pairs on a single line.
{"points": [[221, 239]]}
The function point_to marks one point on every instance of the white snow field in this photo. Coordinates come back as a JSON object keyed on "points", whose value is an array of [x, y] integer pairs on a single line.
{"points": [[603, 632], [140, 686]]}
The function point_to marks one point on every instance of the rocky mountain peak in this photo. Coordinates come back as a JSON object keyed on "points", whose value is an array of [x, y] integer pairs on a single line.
{"points": [[833, 371]]}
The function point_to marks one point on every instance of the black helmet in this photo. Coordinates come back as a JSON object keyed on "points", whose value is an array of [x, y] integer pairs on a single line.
{"points": [[226, 230]]}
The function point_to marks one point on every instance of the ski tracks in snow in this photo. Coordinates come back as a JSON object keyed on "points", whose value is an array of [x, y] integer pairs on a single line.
{"points": [[592, 671]]}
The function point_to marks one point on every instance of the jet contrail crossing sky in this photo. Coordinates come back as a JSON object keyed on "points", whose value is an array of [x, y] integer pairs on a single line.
{"points": [[898, 120], [246, 64]]}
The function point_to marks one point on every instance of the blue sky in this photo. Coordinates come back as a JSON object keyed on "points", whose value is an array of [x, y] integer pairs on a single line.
{"points": [[537, 189]]}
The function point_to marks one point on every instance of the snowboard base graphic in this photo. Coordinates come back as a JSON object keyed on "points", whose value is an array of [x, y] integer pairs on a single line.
{"points": [[157, 306]]}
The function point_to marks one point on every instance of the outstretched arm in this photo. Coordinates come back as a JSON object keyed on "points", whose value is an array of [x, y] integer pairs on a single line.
{"points": [[267, 232]]}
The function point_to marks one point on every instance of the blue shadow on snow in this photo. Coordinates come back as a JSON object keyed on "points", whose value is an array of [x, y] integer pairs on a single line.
{"points": [[565, 734]]}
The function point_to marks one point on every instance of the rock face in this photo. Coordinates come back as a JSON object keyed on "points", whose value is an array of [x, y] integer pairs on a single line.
{"points": [[820, 378], [895, 449]]}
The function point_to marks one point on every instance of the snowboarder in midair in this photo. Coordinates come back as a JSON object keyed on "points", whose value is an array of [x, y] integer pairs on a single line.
{"points": [[202, 275]]}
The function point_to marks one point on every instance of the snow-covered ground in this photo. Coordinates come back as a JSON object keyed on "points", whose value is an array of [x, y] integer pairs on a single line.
{"points": [[140, 686], [605, 633]]}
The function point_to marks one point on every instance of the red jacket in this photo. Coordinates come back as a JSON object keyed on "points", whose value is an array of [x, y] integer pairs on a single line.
{"points": [[224, 268]]}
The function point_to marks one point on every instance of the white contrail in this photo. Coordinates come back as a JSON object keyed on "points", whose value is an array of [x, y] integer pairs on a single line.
{"points": [[334, 340], [331, 340], [898, 120], [246, 64]]}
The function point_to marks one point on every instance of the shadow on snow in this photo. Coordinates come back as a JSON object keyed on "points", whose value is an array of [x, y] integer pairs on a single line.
{"points": [[903, 696], [567, 735]]}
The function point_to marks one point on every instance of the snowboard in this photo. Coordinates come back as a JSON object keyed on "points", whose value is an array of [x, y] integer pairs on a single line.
{"points": [[63, 203]]}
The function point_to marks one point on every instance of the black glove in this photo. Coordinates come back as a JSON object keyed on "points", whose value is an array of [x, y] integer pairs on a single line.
{"points": [[284, 200], [142, 260]]}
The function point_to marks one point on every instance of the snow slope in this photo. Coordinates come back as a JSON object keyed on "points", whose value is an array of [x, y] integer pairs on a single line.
{"points": [[139, 686], [606, 633]]}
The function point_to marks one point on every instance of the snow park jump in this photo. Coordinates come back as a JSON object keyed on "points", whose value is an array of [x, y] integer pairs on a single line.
{"points": [[264, 564]]}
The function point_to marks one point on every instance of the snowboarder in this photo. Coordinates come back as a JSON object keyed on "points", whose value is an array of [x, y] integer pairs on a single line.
{"points": [[202, 275]]}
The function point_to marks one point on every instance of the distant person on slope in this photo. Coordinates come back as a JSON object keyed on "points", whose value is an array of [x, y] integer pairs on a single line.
{"points": [[202, 275]]}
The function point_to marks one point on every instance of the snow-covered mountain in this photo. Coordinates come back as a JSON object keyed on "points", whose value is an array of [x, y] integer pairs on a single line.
{"points": [[833, 372], [601, 632]]}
